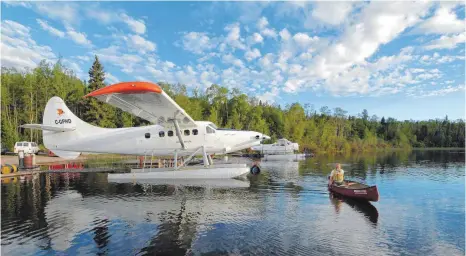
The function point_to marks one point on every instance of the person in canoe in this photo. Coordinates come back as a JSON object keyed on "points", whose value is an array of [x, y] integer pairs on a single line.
{"points": [[337, 176]]}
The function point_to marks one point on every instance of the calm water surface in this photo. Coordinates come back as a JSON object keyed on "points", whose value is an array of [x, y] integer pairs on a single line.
{"points": [[286, 210]]}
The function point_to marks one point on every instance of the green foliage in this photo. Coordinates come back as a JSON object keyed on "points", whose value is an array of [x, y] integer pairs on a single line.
{"points": [[24, 95], [96, 112]]}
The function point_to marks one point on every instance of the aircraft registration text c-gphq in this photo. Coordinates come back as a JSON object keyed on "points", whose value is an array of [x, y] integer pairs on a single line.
{"points": [[63, 121]]}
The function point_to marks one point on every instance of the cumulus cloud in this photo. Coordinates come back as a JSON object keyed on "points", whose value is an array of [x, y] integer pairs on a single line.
{"points": [[420, 93], [255, 38], [252, 54], [78, 37], [285, 34], [444, 21], [332, 13], [234, 36], [111, 78], [18, 48], [197, 42], [446, 42], [66, 12], [140, 44], [262, 25], [136, 25]]}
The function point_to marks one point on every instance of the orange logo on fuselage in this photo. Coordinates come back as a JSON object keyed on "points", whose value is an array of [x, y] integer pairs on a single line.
{"points": [[60, 111]]}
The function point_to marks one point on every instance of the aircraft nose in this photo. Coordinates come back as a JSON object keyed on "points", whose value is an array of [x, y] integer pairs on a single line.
{"points": [[265, 137]]}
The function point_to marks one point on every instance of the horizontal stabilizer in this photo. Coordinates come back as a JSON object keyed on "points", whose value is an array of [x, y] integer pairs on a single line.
{"points": [[48, 127]]}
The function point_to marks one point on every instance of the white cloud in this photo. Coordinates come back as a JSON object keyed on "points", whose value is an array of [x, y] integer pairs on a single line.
{"points": [[140, 44], [83, 58], [446, 42], [262, 25], [234, 37], [138, 26], [379, 23], [111, 78], [285, 34], [436, 93], [266, 61], [333, 13], [197, 42], [93, 11], [230, 59], [268, 32], [444, 21], [78, 37], [304, 41], [114, 55], [270, 95], [17, 3], [66, 12], [187, 76], [255, 38], [18, 49], [252, 54], [45, 26], [292, 85], [77, 70]]}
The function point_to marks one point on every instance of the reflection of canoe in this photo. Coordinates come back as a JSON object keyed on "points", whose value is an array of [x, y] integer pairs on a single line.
{"points": [[356, 190], [363, 207]]}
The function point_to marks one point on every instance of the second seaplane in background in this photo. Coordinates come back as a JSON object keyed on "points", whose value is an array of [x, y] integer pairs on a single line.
{"points": [[173, 132]]}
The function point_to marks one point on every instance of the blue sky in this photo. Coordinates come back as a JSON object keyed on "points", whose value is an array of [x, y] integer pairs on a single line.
{"points": [[399, 59]]}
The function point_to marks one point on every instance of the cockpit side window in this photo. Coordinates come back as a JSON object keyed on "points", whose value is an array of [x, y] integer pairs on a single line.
{"points": [[209, 129]]}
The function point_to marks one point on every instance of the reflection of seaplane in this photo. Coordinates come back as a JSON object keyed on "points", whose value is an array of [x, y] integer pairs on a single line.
{"points": [[78, 216], [173, 131]]}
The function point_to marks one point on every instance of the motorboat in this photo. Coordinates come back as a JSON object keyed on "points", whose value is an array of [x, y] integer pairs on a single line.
{"points": [[281, 147]]}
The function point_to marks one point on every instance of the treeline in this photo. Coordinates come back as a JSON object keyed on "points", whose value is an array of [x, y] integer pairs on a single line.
{"points": [[24, 95]]}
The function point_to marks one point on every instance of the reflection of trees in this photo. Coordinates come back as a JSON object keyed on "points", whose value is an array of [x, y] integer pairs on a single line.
{"points": [[24, 202]]}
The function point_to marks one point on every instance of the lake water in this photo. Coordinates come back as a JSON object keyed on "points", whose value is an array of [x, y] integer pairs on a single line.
{"points": [[286, 210]]}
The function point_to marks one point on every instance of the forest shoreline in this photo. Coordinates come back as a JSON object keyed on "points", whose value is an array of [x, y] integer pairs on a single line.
{"points": [[24, 95]]}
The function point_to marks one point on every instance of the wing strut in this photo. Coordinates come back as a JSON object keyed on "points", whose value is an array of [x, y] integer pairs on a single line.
{"points": [[178, 133]]}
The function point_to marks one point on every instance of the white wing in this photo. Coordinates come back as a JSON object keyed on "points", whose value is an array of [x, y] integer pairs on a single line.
{"points": [[145, 100]]}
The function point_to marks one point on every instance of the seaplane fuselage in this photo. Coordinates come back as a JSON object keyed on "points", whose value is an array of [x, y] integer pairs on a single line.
{"points": [[159, 140], [172, 131]]}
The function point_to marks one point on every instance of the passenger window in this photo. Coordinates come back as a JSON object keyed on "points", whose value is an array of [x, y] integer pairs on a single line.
{"points": [[195, 132], [161, 134], [209, 129], [147, 135], [186, 132], [170, 133]]}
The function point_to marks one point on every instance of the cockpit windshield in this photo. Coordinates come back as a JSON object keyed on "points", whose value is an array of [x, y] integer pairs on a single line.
{"points": [[213, 126]]}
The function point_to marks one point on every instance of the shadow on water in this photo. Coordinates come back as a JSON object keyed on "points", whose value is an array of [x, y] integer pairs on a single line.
{"points": [[366, 208]]}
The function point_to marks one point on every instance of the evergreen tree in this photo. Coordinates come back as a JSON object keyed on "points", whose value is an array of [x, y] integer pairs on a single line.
{"points": [[96, 112]]}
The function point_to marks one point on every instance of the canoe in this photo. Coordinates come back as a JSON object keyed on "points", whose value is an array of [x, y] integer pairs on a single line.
{"points": [[356, 190]]}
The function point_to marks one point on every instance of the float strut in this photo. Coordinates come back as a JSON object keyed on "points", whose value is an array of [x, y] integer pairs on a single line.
{"points": [[204, 157]]}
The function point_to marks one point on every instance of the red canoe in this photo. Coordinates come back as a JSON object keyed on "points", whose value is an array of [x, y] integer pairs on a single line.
{"points": [[356, 190]]}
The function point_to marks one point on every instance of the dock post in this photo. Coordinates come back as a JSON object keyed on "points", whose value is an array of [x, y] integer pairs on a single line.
{"points": [[176, 159], [204, 157], [21, 159]]}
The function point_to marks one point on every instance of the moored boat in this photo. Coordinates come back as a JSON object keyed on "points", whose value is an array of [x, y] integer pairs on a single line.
{"points": [[356, 190]]}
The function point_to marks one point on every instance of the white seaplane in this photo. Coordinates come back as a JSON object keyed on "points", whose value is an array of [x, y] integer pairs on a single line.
{"points": [[173, 133]]}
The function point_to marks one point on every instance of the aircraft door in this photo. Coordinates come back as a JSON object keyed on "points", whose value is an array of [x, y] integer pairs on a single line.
{"points": [[210, 136]]}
